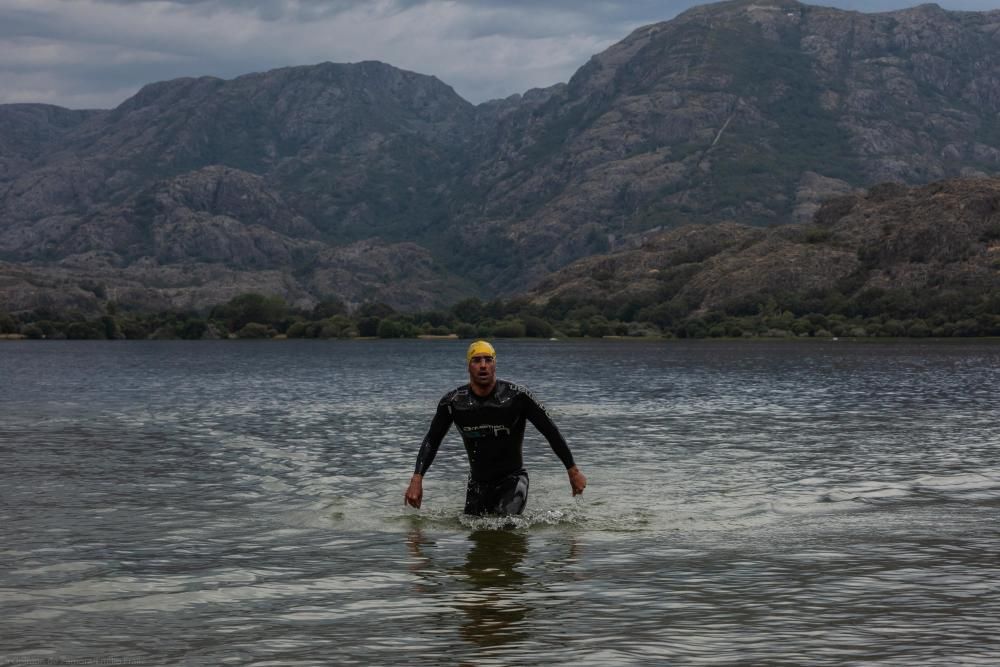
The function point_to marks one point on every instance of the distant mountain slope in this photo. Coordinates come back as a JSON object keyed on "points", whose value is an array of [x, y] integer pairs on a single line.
{"points": [[931, 241], [30, 130], [750, 112], [359, 147], [284, 172], [738, 111]]}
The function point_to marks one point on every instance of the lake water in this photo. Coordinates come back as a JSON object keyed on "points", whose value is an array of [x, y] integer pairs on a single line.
{"points": [[751, 503]]}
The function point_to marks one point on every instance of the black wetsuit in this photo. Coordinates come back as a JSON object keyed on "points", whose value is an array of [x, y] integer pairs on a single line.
{"points": [[493, 431]]}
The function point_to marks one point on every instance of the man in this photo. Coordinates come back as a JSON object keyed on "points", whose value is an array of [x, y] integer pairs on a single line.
{"points": [[490, 416]]}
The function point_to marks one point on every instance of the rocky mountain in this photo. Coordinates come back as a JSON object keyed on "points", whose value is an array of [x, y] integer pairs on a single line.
{"points": [[746, 111], [306, 182], [933, 240], [367, 182]]}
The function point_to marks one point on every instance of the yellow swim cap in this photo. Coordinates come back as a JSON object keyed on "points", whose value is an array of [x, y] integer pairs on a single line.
{"points": [[478, 349]]}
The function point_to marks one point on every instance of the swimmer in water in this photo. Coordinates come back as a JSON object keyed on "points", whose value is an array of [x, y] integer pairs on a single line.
{"points": [[490, 415]]}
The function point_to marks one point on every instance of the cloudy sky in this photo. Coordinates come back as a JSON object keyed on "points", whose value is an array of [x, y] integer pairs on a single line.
{"points": [[96, 53]]}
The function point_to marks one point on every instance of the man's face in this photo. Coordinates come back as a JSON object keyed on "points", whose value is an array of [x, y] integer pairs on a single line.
{"points": [[482, 370]]}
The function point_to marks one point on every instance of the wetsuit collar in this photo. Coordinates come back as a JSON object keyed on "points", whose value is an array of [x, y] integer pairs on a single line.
{"points": [[492, 391]]}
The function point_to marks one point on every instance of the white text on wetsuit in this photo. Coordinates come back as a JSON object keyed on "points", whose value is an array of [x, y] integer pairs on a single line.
{"points": [[480, 431]]}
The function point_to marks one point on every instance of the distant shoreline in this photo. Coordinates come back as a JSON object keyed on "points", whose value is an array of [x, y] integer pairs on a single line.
{"points": [[566, 339]]}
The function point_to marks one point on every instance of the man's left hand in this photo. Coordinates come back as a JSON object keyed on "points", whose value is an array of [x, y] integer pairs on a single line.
{"points": [[576, 480]]}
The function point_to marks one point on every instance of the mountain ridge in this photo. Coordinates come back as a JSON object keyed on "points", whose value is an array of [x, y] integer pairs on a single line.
{"points": [[739, 111]]}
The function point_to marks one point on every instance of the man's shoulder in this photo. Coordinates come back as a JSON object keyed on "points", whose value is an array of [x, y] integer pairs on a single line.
{"points": [[456, 394], [508, 390]]}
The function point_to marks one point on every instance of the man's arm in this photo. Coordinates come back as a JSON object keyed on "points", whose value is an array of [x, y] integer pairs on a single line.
{"points": [[428, 450], [537, 415]]}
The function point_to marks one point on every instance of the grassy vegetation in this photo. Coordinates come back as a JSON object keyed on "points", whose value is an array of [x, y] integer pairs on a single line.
{"points": [[950, 312]]}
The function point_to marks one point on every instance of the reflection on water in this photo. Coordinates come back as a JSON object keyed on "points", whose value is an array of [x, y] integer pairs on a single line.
{"points": [[502, 590], [753, 503], [494, 613]]}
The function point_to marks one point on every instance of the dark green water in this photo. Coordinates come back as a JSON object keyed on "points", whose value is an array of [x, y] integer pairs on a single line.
{"points": [[823, 503]]}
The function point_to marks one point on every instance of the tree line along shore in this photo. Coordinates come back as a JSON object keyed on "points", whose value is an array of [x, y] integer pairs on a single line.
{"points": [[872, 313]]}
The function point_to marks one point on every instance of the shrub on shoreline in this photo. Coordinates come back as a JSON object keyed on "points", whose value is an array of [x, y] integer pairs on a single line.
{"points": [[874, 314]]}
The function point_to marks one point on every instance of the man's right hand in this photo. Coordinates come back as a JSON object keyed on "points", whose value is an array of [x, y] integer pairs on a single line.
{"points": [[415, 492]]}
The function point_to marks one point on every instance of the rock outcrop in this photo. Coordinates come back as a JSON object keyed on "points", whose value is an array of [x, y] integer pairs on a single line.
{"points": [[929, 239]]}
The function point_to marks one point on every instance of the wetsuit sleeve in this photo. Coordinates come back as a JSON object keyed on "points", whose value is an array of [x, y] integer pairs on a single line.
{"points": [[537, 415], [435, 434]]}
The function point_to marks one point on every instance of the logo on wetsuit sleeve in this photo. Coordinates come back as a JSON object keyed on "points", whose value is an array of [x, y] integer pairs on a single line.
{"points": [[485, 430]]}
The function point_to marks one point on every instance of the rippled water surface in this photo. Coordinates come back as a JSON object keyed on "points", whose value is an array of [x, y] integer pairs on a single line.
{"points": [[821, 503]]}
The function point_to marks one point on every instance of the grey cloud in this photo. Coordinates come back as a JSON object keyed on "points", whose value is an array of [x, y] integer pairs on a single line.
{"points": [[274, 10], [97, 53]]}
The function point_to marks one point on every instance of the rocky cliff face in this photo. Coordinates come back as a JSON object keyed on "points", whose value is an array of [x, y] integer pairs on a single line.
{"points": [[365, 180]]}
